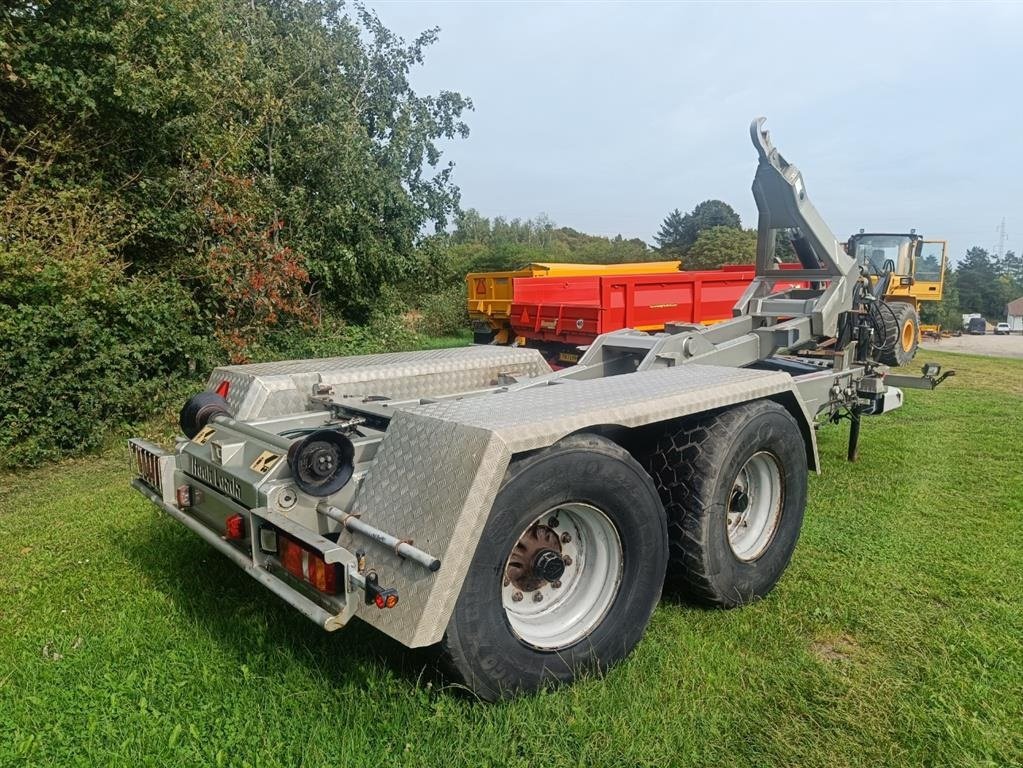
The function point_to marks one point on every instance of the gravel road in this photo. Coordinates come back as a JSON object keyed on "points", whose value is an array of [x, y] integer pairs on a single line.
{"points": [[989, 344]]}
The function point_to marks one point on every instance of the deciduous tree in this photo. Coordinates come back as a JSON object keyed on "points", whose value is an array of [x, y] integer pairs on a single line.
{"points": [[718, 246]]}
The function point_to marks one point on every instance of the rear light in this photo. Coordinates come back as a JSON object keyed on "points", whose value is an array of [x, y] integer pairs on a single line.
{"points": [[307, 565], [381, 597], [223, 388], [183, 494], [234, 527]]}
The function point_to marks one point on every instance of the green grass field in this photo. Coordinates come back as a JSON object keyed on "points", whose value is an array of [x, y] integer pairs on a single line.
{"points": [[895, 637]]}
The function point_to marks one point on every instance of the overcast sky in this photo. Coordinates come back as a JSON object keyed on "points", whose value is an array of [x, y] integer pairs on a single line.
{"points": [[607, 116]]}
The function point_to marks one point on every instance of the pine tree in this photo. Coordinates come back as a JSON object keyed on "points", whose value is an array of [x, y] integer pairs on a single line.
{"points": [[679, 232], [671, 235]]}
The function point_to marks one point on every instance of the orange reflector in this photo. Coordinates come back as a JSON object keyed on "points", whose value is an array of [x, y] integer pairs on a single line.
{"points": [[307, 565], [234, 527]]}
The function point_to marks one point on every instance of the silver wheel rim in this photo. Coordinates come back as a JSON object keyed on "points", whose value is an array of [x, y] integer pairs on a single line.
{"points": [[552, 614], [754, 506]]}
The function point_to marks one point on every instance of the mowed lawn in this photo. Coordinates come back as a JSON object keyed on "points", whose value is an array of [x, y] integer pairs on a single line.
{"points": [[895, 637]]}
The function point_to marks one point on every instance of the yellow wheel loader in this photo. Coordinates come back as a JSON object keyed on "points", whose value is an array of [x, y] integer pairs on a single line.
{"points": [[905, 270]]}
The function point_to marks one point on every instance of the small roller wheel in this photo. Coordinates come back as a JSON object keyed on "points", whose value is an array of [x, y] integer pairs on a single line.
{"points": [[199, 409]]}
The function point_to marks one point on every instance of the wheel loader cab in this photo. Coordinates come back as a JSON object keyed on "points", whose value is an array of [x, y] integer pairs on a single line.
{"points": [[882, 252], [917, 266]]}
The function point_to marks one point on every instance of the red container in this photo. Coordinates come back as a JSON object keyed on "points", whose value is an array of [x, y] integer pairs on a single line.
{"points": [[575, 310]]}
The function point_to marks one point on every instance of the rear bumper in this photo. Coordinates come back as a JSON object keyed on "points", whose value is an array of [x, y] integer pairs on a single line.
{"points": [[255, 564]]}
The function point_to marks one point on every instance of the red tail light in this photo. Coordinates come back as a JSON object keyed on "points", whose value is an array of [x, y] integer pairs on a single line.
{"points": [[234, 527], [307, 565]]}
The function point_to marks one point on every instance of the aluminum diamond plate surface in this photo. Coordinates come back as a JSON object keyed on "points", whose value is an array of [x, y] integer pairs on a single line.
{"points": [[536, 417], [440, 467], [433, 483], [264, 390]]}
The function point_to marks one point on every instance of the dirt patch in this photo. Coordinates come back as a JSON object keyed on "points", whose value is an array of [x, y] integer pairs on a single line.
{"points": [[834, 647]]}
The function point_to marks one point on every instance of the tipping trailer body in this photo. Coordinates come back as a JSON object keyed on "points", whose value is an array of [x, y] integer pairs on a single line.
{"points": [[559, 313], [390, 520], [489, 295], [575, 310]]}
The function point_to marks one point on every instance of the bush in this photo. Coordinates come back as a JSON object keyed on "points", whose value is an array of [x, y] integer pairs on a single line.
{"points": [[444, 312], [334, 337], [76, 370]]}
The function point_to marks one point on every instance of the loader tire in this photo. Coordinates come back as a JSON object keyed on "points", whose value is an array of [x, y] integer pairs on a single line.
{"points": [[567, 573], [721, 476], [902, 334]]}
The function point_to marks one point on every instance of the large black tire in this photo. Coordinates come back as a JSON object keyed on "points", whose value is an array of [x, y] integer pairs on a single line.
{"points": [[902, 333], [696, 467], [480, 648]]}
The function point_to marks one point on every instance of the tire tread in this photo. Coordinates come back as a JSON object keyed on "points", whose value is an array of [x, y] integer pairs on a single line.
{"points": [[686, 464]]}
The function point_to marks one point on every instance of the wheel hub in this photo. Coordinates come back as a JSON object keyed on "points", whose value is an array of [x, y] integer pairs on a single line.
{"points": [[739, 501], [536, 559], [569, 560], [754, 506], [549, 565], [908, 336]]}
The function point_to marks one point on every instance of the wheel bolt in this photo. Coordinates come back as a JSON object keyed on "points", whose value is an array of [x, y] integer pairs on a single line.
{"points": [[553, 522], [516, 597], [566, 537], [567, 559], [537, 597], [507, 581], [556, 584]]}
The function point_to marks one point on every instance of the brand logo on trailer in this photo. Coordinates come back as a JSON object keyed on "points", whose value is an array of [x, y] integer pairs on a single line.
{"points": [[215, 478]]}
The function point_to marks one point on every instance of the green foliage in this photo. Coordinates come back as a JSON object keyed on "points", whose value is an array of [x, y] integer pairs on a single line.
{"points": [[674, 234], [444, 313], [947, 312], [307, 104], [1011, 267], [86, 346], [987, 284], [89, 362], [679, 233], [479, 244], [188, 179], [718, 246]]}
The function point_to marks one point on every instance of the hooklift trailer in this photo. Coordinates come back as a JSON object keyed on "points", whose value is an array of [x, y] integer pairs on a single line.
{"points": [[523, 520]]}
